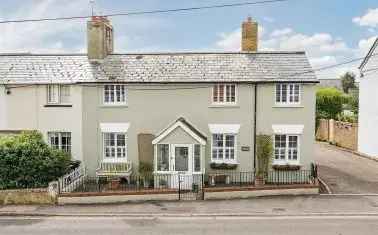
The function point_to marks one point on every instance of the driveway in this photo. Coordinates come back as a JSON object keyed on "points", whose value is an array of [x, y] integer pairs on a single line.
{"points": [[346, 172]]}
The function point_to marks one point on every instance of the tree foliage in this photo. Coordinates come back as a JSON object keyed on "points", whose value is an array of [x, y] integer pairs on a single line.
{"points": [[348, 81], [329, 103], [27, 161], [264, 151]]}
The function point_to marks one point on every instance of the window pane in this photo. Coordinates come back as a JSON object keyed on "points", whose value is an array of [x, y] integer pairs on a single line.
{"points": [[65, 94], [163, 157], [221, 93], [230, 141], [217, 140], [283, 93], [197, 158], [228, 93], [52, 94], [278, 93], [233, 93], [215, 93]]}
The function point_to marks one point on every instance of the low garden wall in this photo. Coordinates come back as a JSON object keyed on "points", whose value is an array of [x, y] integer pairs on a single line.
{"points": [[343, 134], [26, 196]]}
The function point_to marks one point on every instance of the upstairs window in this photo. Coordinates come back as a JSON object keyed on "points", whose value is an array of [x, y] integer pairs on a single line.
{"points": [[114, 94], [60, 140], [224, 94], [288, 93], [58, 94]]}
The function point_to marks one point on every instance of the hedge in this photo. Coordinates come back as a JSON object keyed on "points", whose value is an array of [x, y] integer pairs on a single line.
{"points": [[26, 161]]}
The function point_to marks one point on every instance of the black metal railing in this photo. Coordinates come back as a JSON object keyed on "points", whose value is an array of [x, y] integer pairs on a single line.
{"points": [[276, 177], [229, 178], [182, 183]]}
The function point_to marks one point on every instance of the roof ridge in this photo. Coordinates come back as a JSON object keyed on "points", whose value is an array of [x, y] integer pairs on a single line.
{"points": [[162, 53]]}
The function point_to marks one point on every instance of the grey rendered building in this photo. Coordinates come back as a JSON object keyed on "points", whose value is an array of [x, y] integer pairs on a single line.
{"points": [[181, 111]]}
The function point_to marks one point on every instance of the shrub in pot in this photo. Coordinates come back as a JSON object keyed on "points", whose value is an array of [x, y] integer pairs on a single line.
{"points": [[145, 171], [264, 151]]}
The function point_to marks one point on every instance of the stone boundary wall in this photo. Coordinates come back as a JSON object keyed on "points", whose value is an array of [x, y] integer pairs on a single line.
{"points": [[343, 134], [26, 196]]}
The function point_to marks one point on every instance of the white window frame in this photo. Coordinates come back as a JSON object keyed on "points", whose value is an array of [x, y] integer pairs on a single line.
{"points": [[59, 134], [288, 94], [287, 149], [224, 102], [123, 100], [224, 148], [115, 159], [57, 94]]}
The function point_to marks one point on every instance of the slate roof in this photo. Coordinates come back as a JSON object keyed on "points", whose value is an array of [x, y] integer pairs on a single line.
{"points": [[157, 67]]}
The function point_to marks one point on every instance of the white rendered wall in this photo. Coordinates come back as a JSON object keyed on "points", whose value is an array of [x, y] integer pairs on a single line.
{"points": [[368, 115]]}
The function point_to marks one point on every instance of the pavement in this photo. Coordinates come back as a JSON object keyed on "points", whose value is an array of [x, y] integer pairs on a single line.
{"points": [[264, 206], [367, 225], [345, 172]]}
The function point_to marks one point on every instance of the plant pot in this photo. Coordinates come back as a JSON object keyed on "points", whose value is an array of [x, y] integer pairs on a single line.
{"points": [[259, 181], [114, 184]]}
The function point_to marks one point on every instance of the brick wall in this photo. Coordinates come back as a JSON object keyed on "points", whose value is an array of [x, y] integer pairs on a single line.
{"points": [[342, 134]]}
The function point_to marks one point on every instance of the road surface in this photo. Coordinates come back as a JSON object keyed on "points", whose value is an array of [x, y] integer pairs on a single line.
{"points": [[346, 172], [191, 225]]}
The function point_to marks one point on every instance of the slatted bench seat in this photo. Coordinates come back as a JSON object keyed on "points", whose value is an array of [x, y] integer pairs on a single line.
{"points": [[121, 169]]}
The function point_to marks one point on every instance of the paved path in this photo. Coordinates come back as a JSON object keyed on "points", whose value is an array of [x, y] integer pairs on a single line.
{"points": [[265, 206], [346, 172], [196, 225]]}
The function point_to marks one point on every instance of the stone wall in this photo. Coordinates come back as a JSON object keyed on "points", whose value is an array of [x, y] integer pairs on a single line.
{"points": [[26, 196], [343, 134]]}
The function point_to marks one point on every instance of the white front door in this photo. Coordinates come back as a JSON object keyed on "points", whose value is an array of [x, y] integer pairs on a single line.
{"points": [[182, 158]]}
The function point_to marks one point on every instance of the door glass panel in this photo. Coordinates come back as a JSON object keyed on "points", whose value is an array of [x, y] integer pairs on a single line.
{"points": [[181, 159]]}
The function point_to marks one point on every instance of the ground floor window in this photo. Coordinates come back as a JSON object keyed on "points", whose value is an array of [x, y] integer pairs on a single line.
{"points": [[223, 147], [286, 148], [114, 146], [60, 140], [163, 157], [197, 158]]}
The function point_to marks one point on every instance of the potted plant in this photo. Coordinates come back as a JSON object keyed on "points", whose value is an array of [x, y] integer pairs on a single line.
{"points": [[145, 171], [264, 151]]}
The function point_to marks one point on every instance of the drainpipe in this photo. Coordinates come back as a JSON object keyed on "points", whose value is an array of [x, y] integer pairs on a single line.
{"points": [[254, 129]]}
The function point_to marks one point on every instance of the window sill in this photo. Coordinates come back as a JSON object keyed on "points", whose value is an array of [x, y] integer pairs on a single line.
{"points": [[114, 106], [224, 106], [288, 106], [57, 105]]}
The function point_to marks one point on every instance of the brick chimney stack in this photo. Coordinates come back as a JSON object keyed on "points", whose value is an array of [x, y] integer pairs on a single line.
{"points": [[249, 36], [100, 38]]}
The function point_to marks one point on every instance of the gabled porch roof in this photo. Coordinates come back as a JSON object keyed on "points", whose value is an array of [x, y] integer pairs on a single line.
{"points": [[186, 126]]}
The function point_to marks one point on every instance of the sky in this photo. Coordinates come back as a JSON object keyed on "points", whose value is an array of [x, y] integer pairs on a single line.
{"points": [[330, 31]]}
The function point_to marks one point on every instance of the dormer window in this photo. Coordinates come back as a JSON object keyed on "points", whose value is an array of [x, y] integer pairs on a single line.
{"points": [[224, 94], [115, 95], [58, 94]]}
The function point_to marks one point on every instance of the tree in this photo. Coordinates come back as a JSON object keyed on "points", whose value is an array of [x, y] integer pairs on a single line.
{"points": [[348, 81], [264, 151], [329, 103], [27, 161]]}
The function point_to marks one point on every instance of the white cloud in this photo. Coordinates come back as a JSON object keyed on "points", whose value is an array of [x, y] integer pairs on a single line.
{"points": [[232, 41], [369, 19], [281, 32], [44, 37], [323, 49]]}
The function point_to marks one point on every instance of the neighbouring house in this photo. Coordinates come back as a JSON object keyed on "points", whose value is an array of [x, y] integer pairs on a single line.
{"points": [[368, 106], [183, 112]]}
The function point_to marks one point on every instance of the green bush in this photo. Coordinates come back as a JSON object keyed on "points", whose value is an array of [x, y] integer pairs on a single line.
{"points": [[329, 103], [27, 161]]}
